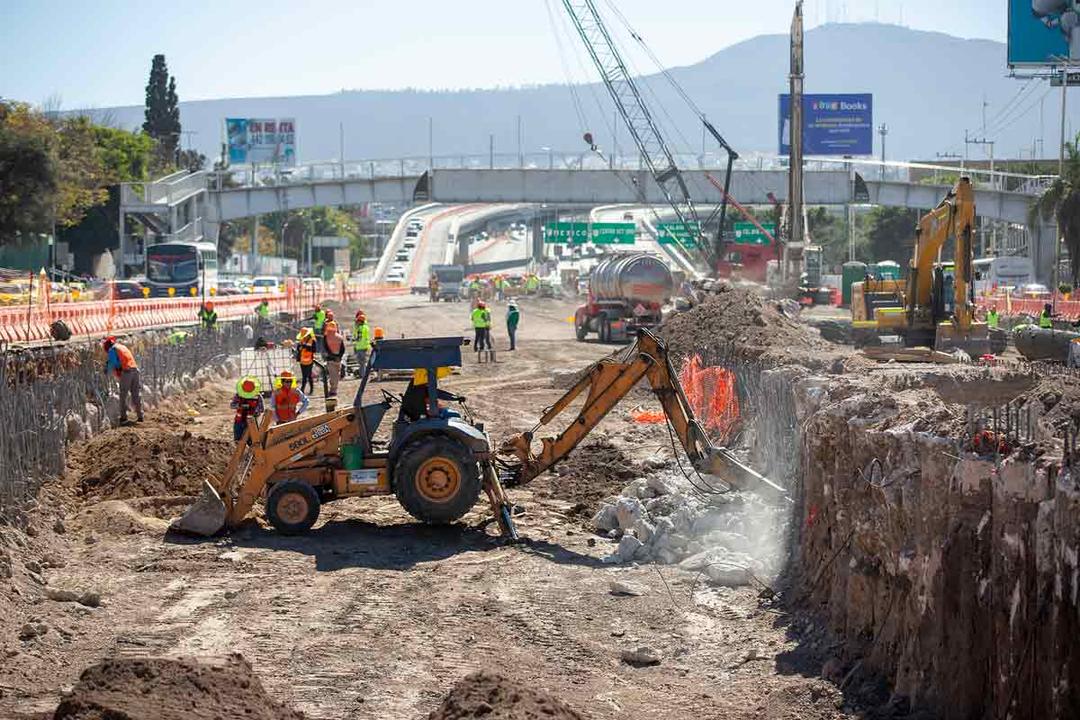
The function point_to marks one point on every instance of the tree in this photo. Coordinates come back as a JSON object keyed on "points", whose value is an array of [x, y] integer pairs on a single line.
{"points": [[1061, 201], [830, 232], [162, 121], [82, 177], [890, 233], [28, 172]]}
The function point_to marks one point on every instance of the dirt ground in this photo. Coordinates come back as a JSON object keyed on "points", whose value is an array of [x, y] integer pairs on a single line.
{"points": [[372, 615]]}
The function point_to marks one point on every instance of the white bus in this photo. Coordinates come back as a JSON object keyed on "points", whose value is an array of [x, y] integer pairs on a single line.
{"points": [[181, 266], [994, 274]]}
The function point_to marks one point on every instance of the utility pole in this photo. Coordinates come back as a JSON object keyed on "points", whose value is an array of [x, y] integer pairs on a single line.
{"points": [[795, 171], [986, 249], [491, 152], [1058, 239], [341, 147], [521, 156], [431, 142], [883, 130]]}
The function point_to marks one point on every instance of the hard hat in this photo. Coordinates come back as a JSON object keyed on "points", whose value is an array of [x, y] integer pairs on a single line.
{"points": [[209, 306], [379, 333], [331, 326], [248, 387], [304, 333], [108, 342], [285, 378]]}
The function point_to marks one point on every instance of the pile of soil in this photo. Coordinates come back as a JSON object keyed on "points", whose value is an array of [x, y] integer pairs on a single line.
{"points": [[594, 471], [1055, 401], [171, 689], [488, 695], [738, 323], [146, 461]]}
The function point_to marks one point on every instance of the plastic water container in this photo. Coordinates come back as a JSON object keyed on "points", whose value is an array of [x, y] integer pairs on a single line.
{"points": [[352, 456]]}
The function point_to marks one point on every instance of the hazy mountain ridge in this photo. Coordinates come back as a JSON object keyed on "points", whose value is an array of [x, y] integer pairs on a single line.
{"points": [[928, 87]]}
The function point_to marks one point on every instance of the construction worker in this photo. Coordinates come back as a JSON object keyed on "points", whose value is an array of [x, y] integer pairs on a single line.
{"points": [[415, 398], [262, 311], [481, 322], [177, 337], [532, 284], [288, 402], [513, 317], [992, 318], [333, 350], [361, 338], [122, 362], [247, 402], [500, 286], [306, 347], [208, 316], [1046, 317], [433, 287], [318, 319]]}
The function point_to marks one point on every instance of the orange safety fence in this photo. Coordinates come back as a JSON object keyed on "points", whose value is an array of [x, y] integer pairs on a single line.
{"points": [[30, 323], [648, 417], [712, 396]]}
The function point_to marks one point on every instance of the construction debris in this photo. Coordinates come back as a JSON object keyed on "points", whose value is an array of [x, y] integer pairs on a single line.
{"points": [[496, 697]]}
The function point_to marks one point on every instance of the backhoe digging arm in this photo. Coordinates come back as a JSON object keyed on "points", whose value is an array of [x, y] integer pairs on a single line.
{"points": [[607, 383]]}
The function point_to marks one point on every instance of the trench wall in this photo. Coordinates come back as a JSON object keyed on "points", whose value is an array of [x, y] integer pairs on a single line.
{"points": [[955, 578]]}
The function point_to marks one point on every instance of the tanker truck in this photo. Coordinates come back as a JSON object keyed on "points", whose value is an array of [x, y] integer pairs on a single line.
{"points": [[626, 292]]}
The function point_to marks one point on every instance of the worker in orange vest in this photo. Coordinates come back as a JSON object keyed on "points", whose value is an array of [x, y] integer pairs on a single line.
{"points": [[306, 347], [287, 401], [121, 361]]}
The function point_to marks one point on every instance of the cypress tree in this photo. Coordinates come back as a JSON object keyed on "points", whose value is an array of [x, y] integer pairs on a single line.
{"points": [[162, 109]]}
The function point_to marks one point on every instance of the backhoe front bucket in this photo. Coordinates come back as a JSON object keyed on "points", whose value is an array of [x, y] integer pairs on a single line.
{"points": [[206, 516]]}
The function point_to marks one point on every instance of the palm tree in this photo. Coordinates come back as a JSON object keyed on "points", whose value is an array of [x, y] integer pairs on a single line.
{"points": [[1061, 201]]}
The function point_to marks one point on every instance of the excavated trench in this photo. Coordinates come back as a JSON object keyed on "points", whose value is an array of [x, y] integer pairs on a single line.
{"points": [[949, 579]]}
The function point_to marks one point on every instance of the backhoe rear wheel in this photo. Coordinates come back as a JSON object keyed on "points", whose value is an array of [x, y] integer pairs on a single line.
{"points": [[436, 479], [292, 506]]}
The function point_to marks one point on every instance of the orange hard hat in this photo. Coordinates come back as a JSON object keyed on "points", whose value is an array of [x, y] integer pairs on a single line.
{"points": [[108, 342], [379, 333], [209, 306]]}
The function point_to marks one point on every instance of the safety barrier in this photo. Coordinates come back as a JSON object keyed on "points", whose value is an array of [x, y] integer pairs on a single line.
{"points": [[1063, 309], [30, 323]]}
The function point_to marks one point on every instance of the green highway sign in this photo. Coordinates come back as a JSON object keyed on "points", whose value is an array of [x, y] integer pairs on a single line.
{"points": [[747, 233], [576, 233], [686, 234]]}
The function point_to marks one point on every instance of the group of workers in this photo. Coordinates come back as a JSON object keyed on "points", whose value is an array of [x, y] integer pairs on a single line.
{"points": [[498, 287], [481, 323]]}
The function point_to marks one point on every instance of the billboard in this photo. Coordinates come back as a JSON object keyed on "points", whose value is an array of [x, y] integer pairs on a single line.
{"points": [[261, 140], [1043, 32], [832, 124]]}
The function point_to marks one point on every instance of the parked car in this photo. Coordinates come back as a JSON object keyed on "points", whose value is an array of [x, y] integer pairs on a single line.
{"points": [[117, 290], [395, 276], [265, 284], [229, 287]]}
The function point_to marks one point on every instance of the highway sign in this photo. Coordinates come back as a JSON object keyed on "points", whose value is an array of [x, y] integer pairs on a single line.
{"points": [[670, 232], [576, 233], [1073, 78], [747, 233], [832, 124]]}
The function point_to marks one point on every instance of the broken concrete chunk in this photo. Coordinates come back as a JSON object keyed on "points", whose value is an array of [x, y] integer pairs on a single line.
{"points": [[628, 510], [643, 530], [60, 595], [727, 573], [605, 518], [642, 656], [628, 547], [625, 587], [661, 485]]}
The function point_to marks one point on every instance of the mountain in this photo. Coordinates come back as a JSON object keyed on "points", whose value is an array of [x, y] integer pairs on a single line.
{"points": [[928, 88]]}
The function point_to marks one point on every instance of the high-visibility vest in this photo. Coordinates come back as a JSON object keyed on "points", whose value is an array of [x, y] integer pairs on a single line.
{"points": [[320, 319], [992, 318], [307, 353], [1045, 321], [361, 337], [285, 402], [127, 360], [481, 318], [264, 311]]}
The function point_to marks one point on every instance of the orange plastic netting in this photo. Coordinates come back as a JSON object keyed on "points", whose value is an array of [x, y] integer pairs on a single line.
{"points": [[648, 416], [712, 396]]}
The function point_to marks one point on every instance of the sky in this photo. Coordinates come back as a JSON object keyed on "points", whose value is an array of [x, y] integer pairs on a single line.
{"points": [[81, 54]]}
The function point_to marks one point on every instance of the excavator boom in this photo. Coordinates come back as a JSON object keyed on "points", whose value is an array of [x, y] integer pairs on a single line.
{"points": [[607, 382]]}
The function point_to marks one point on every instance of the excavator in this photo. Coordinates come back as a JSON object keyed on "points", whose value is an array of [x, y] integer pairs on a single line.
{"points": [[437, 460], [938, 310]]}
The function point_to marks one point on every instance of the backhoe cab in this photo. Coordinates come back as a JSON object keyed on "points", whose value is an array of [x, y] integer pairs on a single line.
{"points": [[436, 461]]}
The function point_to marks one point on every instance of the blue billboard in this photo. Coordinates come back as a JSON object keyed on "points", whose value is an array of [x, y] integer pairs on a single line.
{"points": [[1043, 32], [832, 124]]}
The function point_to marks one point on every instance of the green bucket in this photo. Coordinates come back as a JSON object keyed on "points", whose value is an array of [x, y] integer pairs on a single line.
{"points": [[352, 456]]}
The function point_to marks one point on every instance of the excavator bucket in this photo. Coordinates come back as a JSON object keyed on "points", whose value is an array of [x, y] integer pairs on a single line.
{"points": [[206, 516], [975, 341]]}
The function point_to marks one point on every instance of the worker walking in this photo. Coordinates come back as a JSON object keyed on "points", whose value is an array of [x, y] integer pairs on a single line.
{"points": [[247, 402], [361, 338], [122, 362], [306, 347], [318, 319], [433, 287], [333, 350], [513, 317], [208, 316], [481, 322], [287, 402], [1046, 317]]}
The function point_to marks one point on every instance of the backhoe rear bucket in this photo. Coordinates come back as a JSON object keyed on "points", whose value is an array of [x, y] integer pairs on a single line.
{"points": [[206, 516]]}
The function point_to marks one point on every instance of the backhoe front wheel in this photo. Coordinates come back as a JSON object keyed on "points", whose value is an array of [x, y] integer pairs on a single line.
{"points": [[292, 506], [436, 479]]}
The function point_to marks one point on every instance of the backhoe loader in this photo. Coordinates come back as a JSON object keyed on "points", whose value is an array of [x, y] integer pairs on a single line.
{"points": [[436, 462]]}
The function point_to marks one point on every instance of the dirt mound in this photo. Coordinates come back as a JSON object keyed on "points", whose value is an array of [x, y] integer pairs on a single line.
{"points": [[173, 689], [145, 461], [488, 695], [735, 322], [594, 471], [1055, 401]]}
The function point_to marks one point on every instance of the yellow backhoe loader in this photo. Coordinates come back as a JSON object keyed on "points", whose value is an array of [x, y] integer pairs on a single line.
{"points": [[436, 461]]}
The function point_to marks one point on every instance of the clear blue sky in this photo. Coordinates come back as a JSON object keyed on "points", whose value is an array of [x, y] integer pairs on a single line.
{"points": [[96, 53]]}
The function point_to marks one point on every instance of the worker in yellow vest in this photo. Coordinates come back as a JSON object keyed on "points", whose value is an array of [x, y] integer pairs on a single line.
{"points": [[481, 322]]}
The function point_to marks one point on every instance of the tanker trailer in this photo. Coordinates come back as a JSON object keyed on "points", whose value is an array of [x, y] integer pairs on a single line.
{"points": [[626, 292]]}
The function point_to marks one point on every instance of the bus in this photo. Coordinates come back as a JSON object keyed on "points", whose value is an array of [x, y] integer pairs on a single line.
{"points": [[181, 266], [994, 274]]}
